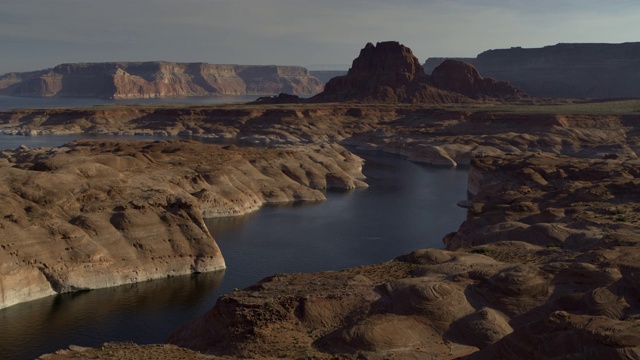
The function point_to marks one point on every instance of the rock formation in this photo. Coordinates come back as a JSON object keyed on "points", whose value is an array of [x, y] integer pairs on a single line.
{"points": [[544, 267], [563, 70], [131, 80], [554, 277], [388, 72], [464, 78], [95, 214]]}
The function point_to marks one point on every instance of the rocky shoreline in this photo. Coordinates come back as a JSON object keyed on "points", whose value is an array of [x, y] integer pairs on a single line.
{"points": [[94, 214], [545, 267]]}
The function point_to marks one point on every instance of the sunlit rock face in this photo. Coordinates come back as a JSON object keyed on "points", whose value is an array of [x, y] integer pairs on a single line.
{"points": [[133, 80], [94, 214]]}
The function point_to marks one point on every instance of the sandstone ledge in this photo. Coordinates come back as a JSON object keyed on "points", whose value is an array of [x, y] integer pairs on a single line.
{"points": [[94, 214], [545, 267]]}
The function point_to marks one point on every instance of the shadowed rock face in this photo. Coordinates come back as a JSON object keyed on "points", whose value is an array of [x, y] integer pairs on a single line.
{"points": [[388, 72], [95, 214], [561, 285], [563, 70], [464, 78], [130, 80]]}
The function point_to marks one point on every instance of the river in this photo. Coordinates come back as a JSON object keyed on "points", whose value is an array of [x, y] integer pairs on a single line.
{"points": [[407, 206]]}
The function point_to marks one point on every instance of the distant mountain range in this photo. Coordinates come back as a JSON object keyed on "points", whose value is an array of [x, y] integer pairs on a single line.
{"points": [[556, 71], [130, 80]]}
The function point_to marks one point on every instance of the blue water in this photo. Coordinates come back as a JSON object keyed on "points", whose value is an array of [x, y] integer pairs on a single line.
{"points": [[407, 206]]}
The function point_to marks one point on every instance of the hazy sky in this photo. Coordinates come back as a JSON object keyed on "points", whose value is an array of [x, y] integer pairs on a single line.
{"points": [[36, 34]]}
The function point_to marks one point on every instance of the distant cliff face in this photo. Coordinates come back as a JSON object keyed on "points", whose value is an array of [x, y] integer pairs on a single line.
{"points": [[131, 80], [564, 70], [389, 72]]}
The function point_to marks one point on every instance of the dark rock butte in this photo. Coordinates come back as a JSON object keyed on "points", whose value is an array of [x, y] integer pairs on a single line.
{"points": [[389, 72]]}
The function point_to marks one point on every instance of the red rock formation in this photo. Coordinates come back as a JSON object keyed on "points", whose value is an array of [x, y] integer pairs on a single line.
{"points": [[386, 72], [131, 80], [464, 78]]}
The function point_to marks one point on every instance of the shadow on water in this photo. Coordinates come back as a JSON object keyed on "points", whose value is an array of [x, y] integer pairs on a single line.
{"points": [[147, 312]]}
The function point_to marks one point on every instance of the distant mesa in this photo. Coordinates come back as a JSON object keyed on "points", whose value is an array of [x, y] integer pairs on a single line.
{"points": [[389, 72], [563, 70], [133, 80]]}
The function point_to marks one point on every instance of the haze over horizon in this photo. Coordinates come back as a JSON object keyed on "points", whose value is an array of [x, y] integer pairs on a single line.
{"points": [[38, 34]]}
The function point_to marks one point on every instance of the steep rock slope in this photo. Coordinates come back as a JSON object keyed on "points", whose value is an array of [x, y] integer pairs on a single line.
{"points": [[555, 277], [125, 80], [95, 214]]}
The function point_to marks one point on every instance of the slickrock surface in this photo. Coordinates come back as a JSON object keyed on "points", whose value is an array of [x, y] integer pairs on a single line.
{"points": [[423, 133], [133, 80], [563, 70], [544, 267], [94, 214], [555, 277]]}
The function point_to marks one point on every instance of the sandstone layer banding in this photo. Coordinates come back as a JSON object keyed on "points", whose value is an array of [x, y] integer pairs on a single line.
{"points": [[159, 79], [93, 214]]}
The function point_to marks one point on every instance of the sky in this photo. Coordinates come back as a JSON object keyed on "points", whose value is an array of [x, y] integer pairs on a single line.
{"points": [[38, 34]]}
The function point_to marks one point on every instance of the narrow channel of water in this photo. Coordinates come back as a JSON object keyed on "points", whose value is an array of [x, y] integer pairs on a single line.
{"points": [[407, 206]]}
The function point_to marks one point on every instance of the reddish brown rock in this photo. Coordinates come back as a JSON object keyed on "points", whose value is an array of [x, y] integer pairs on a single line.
{"points": [[385, 72], [462, 77], [96, 214], [131, 80]]}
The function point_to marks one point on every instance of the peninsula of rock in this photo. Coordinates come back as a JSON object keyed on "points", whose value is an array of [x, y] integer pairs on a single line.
{"points": [[94, 214], [545, 266], [134, 80]]}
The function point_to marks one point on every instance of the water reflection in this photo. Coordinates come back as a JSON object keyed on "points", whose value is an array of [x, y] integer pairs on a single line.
{"points": [[147, 311]]}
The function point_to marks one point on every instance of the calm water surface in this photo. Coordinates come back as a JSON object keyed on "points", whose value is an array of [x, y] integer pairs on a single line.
{"points": [[407, 206]]}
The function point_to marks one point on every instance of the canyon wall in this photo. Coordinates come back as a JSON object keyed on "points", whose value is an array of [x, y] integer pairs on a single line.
{"points": [[132, 80], [94, 214], [563, 70]]}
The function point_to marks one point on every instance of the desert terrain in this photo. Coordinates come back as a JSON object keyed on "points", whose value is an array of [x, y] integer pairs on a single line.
{"points": [[545, 266]]}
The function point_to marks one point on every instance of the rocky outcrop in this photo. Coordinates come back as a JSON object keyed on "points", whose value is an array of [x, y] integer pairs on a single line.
{"points": [[96, 214], [131, 80], [563, 70], [557, 279], [385, 72], [388, 72], [464, 78]]}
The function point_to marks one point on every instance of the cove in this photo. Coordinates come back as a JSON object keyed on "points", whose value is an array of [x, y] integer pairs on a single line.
{"points": [[407, 206]]}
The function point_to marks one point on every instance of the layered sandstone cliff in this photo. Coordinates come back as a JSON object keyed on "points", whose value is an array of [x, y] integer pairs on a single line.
{"points": [[130, 80], [95, 214], [563, 70]]}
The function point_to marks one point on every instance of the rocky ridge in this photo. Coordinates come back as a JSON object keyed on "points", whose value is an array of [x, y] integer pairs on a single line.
{"points": [[388, 72], [133, 80], [563, 70], [545, 267], [123, 212]]}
